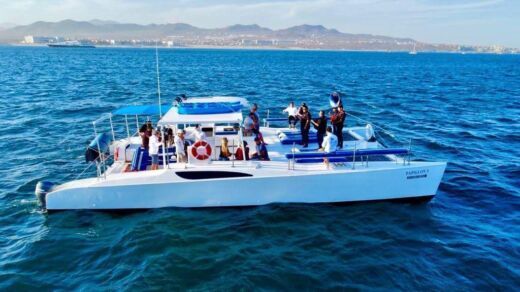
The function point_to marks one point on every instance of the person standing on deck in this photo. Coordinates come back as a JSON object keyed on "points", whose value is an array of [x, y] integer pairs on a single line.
{"points": [[292, 112], [330, 143], [255, 116], [197, 134], [340, 122], [145, 136], [248, 125], [337, 119], [320, 125], [169, 139], [155, 142], [305, 126], [180, 152]]}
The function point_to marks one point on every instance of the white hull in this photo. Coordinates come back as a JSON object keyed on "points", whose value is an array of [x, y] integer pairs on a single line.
{"points": [[271, 183]]}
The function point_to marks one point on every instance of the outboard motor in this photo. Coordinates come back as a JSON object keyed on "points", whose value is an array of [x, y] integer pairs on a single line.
{"points": [[103, 141], [41, 191]]}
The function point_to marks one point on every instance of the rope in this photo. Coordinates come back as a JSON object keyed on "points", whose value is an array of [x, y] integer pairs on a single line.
{"points": [[374, 125], [88, 166]]}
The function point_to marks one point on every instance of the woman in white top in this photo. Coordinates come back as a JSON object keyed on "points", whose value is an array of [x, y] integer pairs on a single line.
{"points": [[292, 112], [153, 149], [330, 143], [248, 126], [179, 147]]}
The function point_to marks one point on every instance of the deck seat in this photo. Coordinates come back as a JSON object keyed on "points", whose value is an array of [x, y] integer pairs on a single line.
{"points": [[290, 141], [318, 160], [140, 159], [223, 133], [348, 153]]}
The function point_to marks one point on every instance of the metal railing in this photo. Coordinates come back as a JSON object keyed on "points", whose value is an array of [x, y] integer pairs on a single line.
{"points": [[356, 154]]}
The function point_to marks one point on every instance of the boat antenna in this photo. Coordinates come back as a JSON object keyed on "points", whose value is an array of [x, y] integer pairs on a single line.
{"points": [[158, 78]]}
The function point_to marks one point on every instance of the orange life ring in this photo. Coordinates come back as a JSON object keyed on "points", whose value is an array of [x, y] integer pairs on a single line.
{"points": [[116, 154], [201, 150]]}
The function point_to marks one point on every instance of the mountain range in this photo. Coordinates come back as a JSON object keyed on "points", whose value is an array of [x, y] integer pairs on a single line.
{"points": [[182, 34]]}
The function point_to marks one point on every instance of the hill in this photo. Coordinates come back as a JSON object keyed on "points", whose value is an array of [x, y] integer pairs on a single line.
{"points": [[305, 36]]}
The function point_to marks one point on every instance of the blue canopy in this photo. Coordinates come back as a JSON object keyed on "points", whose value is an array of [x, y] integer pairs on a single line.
{"points": [[209, 108], [142, 110]]}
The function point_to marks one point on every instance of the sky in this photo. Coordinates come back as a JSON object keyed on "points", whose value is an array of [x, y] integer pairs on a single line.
{"points": [[472, 22]]}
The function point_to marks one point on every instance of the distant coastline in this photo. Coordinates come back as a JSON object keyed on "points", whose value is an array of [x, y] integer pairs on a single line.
{"points": [[261, 49], [180, 35]]}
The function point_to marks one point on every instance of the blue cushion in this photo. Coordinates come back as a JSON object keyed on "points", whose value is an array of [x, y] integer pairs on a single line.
{"points": [[347, 153]]}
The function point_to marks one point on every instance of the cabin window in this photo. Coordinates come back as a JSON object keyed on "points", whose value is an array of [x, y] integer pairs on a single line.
{"points": [[210, 174]]}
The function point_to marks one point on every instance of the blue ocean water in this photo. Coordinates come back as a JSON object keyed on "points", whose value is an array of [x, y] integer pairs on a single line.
{"points": [[463, 109]]}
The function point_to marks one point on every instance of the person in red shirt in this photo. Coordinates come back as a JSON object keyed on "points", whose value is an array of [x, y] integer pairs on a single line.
{"points": [[337, 119], [239, 153]]}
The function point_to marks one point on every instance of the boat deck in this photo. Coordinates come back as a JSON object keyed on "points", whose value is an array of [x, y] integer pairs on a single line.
{"points": [[353, 140]]}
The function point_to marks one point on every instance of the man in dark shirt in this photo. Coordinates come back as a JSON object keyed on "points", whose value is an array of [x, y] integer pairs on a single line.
{"points": [[337, 119], [340, 122], [255, 117], [320, 125], [305, 126]]}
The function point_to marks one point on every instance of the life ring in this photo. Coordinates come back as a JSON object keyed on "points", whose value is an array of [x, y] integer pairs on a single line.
{"points": [[116, 154], [201, 150]]}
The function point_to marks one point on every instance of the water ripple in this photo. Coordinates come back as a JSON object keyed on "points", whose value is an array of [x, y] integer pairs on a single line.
{"points": [[461, 109]]}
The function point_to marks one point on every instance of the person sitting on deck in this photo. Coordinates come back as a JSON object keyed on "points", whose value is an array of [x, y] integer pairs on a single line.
{"points": [[224, 150], [261, 151], [155, 142], [292, 112], [180, 151], [330, 143], [239, 154], [259, 135]]}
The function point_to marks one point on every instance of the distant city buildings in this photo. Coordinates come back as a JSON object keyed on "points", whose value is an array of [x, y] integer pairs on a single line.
{"points": [[259, 41], [29, 39]]}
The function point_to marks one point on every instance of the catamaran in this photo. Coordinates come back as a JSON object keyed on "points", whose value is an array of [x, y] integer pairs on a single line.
{"points": [[364, 170]]}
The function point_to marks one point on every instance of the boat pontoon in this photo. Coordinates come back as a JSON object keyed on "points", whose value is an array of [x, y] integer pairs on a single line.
{"points": [[364, 170]]}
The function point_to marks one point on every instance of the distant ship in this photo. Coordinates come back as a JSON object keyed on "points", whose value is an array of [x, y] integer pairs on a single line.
{"points": [[70, 44]]}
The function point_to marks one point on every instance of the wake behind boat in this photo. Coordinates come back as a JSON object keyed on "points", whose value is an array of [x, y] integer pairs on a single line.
{"points": [[364, 170]]}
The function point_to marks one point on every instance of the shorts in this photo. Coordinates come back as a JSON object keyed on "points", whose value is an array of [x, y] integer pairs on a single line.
{"points": [[155, 158], [181, 157]]}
